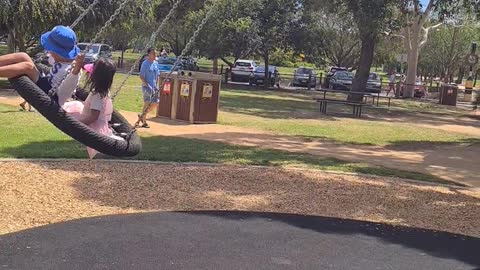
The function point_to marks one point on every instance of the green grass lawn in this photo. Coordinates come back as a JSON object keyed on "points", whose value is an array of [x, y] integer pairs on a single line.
{"points": [[295, 114], [3, 49], [29, 135]]}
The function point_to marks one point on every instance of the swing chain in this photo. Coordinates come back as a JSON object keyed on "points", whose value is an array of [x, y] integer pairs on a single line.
{"points": [[182, 54], [107, 24], [99, 33], [84, 13], [150, 43]]}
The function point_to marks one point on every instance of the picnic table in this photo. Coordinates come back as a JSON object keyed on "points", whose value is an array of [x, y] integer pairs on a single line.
{"points": [[357, 105], [375, 96]]}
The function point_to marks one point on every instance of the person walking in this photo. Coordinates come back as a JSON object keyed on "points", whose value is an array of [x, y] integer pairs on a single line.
{"points": [[391, 85], [149, 72]]}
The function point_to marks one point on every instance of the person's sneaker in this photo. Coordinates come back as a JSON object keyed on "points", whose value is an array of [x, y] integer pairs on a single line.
{"points": [[145, 125]]}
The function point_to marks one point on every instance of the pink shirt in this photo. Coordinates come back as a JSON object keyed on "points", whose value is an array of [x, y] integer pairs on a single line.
{"points": [[105, 106]]}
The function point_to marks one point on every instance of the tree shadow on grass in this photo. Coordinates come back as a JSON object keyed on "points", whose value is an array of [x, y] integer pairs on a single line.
{"points": [[174, 149], [428, 145]]}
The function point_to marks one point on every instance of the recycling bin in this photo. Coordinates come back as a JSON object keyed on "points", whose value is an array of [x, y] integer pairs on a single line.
{"points": [[197, 97], [168, 95], [448, 94]]}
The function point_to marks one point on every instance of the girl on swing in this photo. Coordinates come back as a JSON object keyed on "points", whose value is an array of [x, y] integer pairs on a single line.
{"points": [[96, 111], [60, 44]]}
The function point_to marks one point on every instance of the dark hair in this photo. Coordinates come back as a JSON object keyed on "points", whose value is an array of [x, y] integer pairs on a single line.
{"points": [[150, 50], [100, 81]]}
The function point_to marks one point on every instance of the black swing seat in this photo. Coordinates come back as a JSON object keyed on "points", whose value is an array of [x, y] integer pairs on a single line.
{"points": [[54, 113]]}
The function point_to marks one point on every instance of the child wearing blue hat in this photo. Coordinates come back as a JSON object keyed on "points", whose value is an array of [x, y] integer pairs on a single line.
{"points": [[61, 47]]}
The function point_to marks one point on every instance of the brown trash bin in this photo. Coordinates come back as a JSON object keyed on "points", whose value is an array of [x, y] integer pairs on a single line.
{"points": [[168, 96], [448, 94], [197, 97]]}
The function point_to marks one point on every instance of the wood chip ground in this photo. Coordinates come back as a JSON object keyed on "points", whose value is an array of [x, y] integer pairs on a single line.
{"points": [[38, 193]]}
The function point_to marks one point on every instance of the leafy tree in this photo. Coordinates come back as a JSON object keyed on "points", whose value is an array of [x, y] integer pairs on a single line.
{"points": [[274, 20], [327, 37], [178, 30], [231, 31], [22, 33], [419, 21], [446, 51], [371, 18], [47, 13]]}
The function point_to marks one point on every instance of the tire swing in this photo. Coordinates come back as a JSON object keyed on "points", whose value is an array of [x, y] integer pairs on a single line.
{"points": [[54, 113]]}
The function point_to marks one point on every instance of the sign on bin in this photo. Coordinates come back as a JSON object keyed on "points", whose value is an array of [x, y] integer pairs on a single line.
{"points": [[167, 88], [185, 89], [207, 90]]}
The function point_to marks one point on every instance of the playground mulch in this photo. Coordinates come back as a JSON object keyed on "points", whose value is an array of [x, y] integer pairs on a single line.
{"points": [[33, 194]]}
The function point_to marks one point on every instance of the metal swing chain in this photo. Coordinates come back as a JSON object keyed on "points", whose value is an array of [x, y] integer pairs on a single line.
{"points": [[150, 43], [99, 33], [184, 51], [84, 13]]}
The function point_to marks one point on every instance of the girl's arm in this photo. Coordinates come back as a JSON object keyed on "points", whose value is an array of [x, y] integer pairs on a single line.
{"points": [[69, 85], [90, 118]]}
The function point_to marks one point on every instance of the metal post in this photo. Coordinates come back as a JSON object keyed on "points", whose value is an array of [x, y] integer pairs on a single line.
{"points": [[309, 81], [472, 60], [227, 71]]}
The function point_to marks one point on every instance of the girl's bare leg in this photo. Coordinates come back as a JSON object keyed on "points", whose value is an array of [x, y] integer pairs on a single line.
{"points": [[17, 64], [13, 58]]}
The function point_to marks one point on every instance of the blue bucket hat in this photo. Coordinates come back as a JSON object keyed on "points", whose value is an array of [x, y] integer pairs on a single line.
{"points": [[62, 41]]}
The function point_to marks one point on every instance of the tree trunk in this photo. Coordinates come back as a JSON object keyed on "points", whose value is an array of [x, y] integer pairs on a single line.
{"points": [[461, 74], [412, 64], [266, 57], [366, 59], [11, 42], [230, 64], [121, 59], [20, 41], [215, 65]]}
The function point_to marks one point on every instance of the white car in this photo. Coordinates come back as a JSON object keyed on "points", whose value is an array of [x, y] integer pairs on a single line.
{"points": [[242, 70], [96, 51]]}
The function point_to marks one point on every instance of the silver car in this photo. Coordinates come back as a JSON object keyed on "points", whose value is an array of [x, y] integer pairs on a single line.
{"points": [[95, 51], [242, 70]]}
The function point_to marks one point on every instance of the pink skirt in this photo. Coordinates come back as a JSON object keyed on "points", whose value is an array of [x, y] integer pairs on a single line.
{"points": [[75, 109]]}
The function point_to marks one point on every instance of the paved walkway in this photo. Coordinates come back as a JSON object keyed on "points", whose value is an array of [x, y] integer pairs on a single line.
{"points": [[232, 240], [451, 162]]}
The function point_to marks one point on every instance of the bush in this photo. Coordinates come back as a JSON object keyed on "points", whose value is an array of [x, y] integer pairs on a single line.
{"points": [[282, 59]]}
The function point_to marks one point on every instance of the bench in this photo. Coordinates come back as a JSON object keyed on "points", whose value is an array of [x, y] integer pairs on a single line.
{"points": [[357, 106], [377, 97]]}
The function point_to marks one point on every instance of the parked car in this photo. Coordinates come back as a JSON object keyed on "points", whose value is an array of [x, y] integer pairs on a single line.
{"points": [[165, 63], [341, 80], [189, 63], [41, 58], [419, 89], [374, 84], [331, 72], [242, 70], [258, 76], [95, 51], [303, 75]]}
